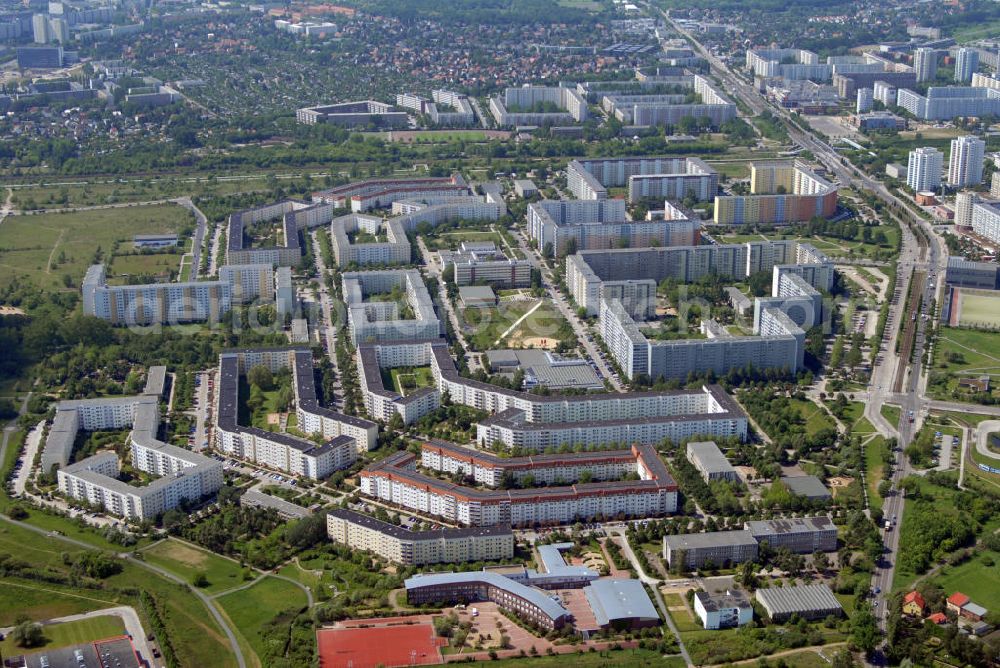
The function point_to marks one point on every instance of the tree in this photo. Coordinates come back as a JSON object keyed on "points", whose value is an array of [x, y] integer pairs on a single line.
{"points": [[261, 376], [864, 632], [200, 580], [820, 561], [28, 634]]}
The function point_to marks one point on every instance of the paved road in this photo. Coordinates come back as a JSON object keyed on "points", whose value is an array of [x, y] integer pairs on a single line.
{"points": [[199, 232], [128, 616], [582, 334], [653, 583], [27, 458]]}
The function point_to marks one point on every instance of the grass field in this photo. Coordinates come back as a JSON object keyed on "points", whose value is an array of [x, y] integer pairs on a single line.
{"points": [[450, 240], [72, 633], [250, 609], [43, 249], [135, 264], [892, 414], [39, 601], [196, 637], [963, 352], [829, 245], [408, 380], [98, 193], [968, 579], [875, 451], [815, 416], [979, 309], [185, 561]]}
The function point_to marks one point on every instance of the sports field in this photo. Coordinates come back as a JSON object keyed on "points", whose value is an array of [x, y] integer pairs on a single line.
{"points": [[409, 645], [977, 308], [73, 633], [53, 250]]}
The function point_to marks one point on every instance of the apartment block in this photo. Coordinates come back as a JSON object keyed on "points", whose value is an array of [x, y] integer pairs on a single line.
{"points": [[661, 177], [417, 548], [781, 192], [718, 548]]}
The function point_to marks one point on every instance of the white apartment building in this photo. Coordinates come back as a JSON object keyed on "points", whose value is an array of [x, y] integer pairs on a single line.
{"points": [[154, 303], [923, 171], [249, 281], [986, 220], [925, 64], [183, 475], [344, 436], [965, 163], [371, 321], [416, 548]]}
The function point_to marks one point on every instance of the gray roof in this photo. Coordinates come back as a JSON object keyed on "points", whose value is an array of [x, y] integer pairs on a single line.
{"points": [[555, 566], [687, 541], [534, 596], [975, 609], [808, 486], [477, 292], [805, 598], [761, 529], [709, 456], [615, 599], [728, 599], [256, 499], [156, 378]]}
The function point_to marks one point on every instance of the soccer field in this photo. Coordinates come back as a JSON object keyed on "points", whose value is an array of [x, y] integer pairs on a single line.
{"points": [[980, 308]]}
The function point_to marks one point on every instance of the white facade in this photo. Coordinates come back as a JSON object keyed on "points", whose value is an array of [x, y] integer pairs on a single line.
{"points": [[923, 171], [925, 64], [965, 163]]}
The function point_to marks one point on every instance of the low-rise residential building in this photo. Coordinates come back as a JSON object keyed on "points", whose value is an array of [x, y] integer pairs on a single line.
{"points": [[416, 548]]}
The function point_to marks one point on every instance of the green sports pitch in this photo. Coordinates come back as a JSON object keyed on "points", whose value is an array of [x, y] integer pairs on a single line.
{"points": [[978, 308]]}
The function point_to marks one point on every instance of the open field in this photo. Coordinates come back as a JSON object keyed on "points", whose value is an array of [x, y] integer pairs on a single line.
{"points": [[38, 601], [158, 265], [979, 308], [815, 416], [114, 191], [47, 250], [72, 633], [406, 381], [186, 560], [434, 136], [195, 635], [963, 353], [875, 451], [485, 326], [250, 609], [968, 579]]}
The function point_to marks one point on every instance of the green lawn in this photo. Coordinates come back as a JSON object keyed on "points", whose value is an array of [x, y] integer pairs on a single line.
{"points": [[250, 609], [39, 601], [406, 381], [452, 239], [196, 637], [449, 135], [138, 264], [874, 465], [968, 579], [186, 560], [978, 309], [43, 249], [892, 414], [73, 633], [815, 416], [963, 352]]}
